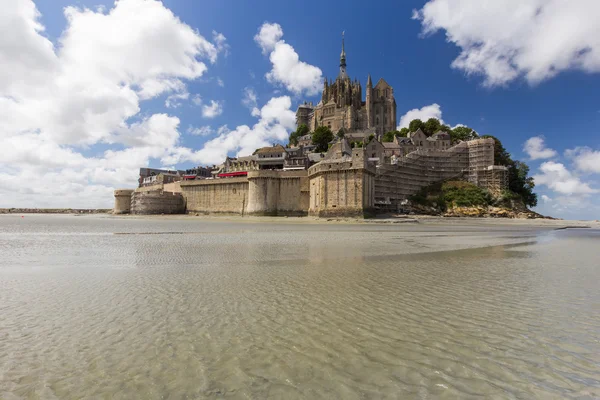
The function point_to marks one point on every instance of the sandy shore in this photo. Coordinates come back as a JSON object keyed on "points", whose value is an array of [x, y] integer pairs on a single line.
{"points": [[424, 220]]}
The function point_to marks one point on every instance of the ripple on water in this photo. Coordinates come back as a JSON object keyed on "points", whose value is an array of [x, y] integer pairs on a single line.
{"points": [[293, 314]]}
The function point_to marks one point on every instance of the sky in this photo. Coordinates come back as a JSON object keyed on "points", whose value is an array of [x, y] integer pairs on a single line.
{"points": [[90, 91]]}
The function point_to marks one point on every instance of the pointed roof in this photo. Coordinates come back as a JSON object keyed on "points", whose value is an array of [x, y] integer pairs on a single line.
{"points": [[369, 82], [382, 82]]}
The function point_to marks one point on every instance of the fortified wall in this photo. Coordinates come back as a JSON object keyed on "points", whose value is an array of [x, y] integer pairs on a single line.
{"points": [[260, 193], [156, 202], [343, 184]]}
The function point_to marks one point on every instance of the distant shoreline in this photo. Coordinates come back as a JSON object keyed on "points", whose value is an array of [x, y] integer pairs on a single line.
{"points": [[55, 210], [403, 220]]}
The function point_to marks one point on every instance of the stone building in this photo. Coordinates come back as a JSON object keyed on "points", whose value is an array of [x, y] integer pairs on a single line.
{"points": [[342, 106]]}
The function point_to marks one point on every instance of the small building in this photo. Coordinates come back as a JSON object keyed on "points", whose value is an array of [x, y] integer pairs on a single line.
{"points": [[272, 157], [305, 140], [154, 172], [392, 149]]}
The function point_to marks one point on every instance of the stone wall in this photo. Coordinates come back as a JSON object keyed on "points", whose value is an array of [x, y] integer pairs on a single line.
{"points": [[122, 201], [261, 193], [342, 187], [157, 202], [225, 196], [278, 193]]}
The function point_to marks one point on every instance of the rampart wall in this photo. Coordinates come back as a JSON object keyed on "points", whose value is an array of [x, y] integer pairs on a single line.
{"points": [[260, 193], [278, 193], [226, 196], [157, 202], [122, 201], [342, 187]]}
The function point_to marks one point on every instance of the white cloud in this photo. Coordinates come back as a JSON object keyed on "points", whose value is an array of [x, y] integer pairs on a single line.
{"points": [[220, 82], [558, 178], [505, 40], [546, 199], [197, 100], [430, 111], [212, 110], [200, 131], [221, 43], [268, 36], [536, 149], [174, 100], [88, 90], [585, 159], [295, 75], [250, 100]]}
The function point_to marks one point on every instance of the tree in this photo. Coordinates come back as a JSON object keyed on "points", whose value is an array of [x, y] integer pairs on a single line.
{"points": [[302, 130], [341, 133], [297, 134], [415, 125], [431, 126], [403, 132], [371, 137], [389, 136], [463, 133], [321, 138]]}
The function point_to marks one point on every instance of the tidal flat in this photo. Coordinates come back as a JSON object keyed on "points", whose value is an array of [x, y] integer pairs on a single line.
{"points": [[99, 306]]}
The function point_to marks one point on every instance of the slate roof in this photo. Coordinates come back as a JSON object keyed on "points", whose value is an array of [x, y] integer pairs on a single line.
{"points": [[271, 149]]}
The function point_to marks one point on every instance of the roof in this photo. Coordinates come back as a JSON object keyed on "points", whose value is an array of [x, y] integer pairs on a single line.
{"points": [[404, 141], [246, 158], [315, 157], [271, 149], [306, 137], [390, 145], [440, 135]]}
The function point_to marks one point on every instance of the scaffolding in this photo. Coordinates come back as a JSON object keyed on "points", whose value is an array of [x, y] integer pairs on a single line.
{"points": [[471, 160]]}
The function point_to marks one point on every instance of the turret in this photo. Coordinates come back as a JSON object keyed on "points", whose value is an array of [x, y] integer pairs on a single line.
{"points": [[369, 102]]}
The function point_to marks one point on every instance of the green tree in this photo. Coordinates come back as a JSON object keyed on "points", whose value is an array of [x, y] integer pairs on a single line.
{"points": [[341, 133], [403, 132], [321, 138], [389, 136], [518, 180], [298, 133], [371, 137], [431, 126], [415, 125], [463, 133]]}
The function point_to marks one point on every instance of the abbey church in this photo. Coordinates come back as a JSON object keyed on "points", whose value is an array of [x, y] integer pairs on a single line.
{"points": [[342, 106]]}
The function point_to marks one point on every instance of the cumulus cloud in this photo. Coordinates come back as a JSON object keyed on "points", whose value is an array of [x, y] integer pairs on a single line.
{"points": [[212, 110], [546, 199], [288, 71], [89, 90], [536, 149], [585, 159], [505, 40], [424, 113], [558, 178]]}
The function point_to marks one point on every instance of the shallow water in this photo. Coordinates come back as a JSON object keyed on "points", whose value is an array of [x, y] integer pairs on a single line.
{"points": [[100, 307]]}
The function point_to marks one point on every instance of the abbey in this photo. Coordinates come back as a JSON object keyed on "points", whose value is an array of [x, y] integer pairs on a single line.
{"points": [[342, 106]]}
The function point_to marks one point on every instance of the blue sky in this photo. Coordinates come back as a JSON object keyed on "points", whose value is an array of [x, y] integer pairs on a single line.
{"points": [[517, 70]]}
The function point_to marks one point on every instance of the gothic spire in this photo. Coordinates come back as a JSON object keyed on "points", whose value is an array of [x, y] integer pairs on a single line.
{"points": [[369, 83], [343, 74]]}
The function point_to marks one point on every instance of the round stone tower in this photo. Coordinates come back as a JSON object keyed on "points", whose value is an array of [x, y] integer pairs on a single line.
{"points": [[122, 201]]}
